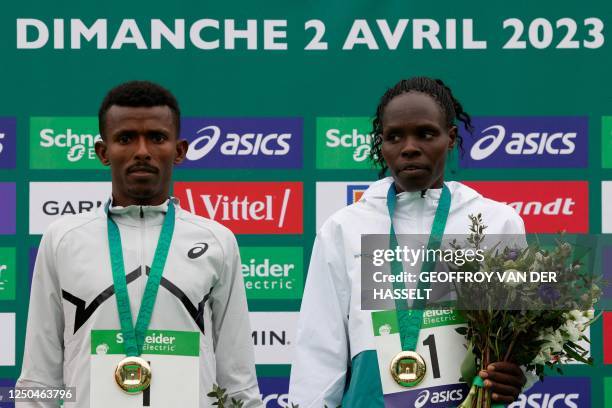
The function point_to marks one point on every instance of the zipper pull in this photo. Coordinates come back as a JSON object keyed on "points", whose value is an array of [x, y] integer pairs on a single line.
{"points": [[141, 212]]}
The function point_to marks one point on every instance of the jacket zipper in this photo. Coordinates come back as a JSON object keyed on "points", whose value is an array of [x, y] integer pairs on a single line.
{"points": [[143, 266]]}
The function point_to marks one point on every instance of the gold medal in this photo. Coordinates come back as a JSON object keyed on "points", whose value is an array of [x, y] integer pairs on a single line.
{"points": [[408, 368], [133, 375]]}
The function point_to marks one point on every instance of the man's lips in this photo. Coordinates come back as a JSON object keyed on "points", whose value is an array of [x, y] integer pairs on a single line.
{"points": [[142, 170]]}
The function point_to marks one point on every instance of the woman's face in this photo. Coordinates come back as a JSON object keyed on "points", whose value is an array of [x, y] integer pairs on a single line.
{"points": [[416, 140]]}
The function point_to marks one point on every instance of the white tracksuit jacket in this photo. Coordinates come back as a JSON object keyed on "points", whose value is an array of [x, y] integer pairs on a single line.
{"points": [[202, 291], [335, 340]]}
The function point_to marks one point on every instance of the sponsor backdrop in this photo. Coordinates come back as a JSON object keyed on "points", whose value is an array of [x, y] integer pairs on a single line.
{"points": [[277, 102]]}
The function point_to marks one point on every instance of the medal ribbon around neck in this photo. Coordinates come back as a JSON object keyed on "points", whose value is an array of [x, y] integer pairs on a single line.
{"points": [[409, 319], [133, 337]]}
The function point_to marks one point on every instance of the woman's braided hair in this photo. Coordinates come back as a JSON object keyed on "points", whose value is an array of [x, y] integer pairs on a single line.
{"points": [[435, 88]]}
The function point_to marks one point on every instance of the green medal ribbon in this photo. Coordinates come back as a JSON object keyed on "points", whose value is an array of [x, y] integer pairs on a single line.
{"points": [[410, 321], [133, 337]]}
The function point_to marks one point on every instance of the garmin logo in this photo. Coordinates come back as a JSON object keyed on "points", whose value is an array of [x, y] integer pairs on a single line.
{"points": [[528, 142], [243, 142], [269, 338], [51, 200], [272, 334], [63, 208]]}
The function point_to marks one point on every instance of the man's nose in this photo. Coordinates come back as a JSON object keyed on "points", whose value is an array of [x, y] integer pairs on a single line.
{"points": [[142, 148]]}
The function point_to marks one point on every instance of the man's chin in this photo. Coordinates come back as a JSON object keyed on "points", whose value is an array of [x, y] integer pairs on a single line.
{"points": [[142, 194]]}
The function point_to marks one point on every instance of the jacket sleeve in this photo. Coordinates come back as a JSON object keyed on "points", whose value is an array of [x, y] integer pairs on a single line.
{"points": [[235, 360], [319, 369], [43, 355]]}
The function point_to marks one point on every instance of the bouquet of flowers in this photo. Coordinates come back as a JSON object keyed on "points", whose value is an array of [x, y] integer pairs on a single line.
{"points": [[546, 331]]}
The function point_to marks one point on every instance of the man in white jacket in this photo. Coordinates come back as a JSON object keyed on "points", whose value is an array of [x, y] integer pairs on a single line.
{"points": [[199, 331], [336, 358]]}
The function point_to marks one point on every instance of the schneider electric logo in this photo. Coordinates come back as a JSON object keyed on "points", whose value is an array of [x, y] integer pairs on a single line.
{"points": [[509, 142], [243, 142], [7, 273], [344, 143], [64, 143], [272, 272]]}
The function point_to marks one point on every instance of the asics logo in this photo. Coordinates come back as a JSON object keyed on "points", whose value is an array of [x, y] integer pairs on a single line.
{"points": [[523, 144], [198, 250]]}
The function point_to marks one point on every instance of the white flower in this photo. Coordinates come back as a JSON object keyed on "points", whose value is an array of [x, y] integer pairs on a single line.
{"points": [[573, 331]]}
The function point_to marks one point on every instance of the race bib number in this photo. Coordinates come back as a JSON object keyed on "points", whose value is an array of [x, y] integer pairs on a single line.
{"points": [[443, 350], [174, 360]]}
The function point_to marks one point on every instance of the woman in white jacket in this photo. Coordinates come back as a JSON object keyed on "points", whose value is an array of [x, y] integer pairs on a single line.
{"points": [[335, 355]]}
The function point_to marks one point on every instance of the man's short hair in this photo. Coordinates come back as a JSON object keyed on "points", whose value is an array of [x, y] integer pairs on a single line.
{"points": [[137, 94]]}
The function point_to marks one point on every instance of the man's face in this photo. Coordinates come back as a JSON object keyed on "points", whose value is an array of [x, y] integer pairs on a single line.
{"points": [[141, 146], [416, 140]]}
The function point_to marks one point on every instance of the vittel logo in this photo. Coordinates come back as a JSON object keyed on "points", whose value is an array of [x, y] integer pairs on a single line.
{"points": [[547, 400], [243, 142], [79, 145], [244, 207], [272, 144], [523, 144], [241, 208], [355, 140], [532, 142]]}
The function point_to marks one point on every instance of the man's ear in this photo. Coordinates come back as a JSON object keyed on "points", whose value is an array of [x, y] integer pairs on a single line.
{"points": [[101, 152], [181, 151]]}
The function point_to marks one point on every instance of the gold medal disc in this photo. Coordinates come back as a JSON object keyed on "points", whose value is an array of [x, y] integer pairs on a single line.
{"points": [[133, 375], [408, 368]]}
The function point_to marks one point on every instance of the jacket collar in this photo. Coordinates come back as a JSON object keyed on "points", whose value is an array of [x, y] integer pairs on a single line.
{"points": [[135, 215], [376, 195]]}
